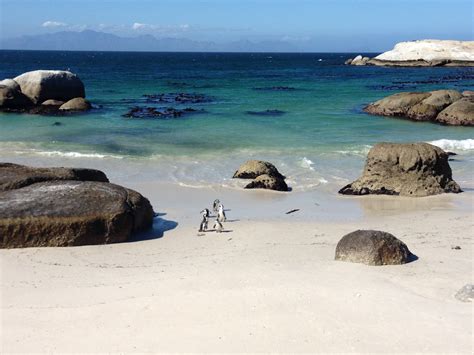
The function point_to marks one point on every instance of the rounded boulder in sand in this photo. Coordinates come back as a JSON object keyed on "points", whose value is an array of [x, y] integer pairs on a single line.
{"points": [[372, 247], [411, 169], [268, 182]]}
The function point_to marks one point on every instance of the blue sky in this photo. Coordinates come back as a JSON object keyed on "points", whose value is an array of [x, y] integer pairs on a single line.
{"points": [[316, 24]]}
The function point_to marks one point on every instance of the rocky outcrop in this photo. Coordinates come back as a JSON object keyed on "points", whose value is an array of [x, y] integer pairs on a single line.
{"points": [[372, 247], [42, 85], [448, 107], [412, 169], [268, 182], [61, 207], [43, 92], [424, 53], [265, 175]]}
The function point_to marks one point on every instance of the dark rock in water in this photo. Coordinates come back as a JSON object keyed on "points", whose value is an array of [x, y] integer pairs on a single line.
{"points": [[164, 113], [266, 113], [254, 168], [57, 124], [14, 176], [11, 97], [372, 248], [466, 293], [76, 104], [413, 169], [276, 88], [71, 213], [451, 153], [178, 98], [392, 87], [460, 113], [65, 207], [268, 182]]}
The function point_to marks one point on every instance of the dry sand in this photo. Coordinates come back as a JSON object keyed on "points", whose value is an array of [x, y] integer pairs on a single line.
{"points": [[269, 284]]}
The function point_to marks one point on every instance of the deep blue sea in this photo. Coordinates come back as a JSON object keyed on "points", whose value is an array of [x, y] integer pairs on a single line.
{"points": [[319, 136]]}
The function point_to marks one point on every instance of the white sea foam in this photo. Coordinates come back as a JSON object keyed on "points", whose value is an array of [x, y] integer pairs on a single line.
{"points": [[307, 163], [453, 144], [56, 153]]}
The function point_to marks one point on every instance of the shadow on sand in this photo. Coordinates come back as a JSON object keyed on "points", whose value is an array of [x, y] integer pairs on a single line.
{"points": [[160, 226]]}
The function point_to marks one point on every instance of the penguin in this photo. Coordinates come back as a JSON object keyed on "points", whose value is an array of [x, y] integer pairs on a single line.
{"points": [[218, 226], [215, 205], [205, 219], [221, 214]]}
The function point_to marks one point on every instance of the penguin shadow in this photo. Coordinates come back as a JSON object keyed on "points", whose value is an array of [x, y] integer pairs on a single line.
{"points": [[158, 229]]}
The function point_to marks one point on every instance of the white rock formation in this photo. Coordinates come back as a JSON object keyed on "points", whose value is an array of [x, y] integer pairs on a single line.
{"points": [[430, 49]]}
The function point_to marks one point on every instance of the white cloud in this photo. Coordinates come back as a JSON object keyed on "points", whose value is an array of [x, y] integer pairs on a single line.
{"points": [[53, 24], [145, 27]]}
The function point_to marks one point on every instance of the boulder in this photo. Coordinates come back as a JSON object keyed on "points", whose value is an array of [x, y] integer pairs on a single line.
{"points": [[460, 113], [468, 93], [254, 168], [466, 293], [71, 213], [76, 104], [412, 169], [372, 247], [348, 61], [428, 109], [269, 182], [10, 83], [397, 104], [14, 176], [12, 98], [52, 103], [41, 85]]}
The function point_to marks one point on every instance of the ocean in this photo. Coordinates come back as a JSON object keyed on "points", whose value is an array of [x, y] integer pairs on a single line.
{"points": [[302, 112]]}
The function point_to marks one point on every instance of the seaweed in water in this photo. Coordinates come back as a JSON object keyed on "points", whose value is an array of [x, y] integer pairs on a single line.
{"points": [[163, 113], [177, 98], [266, 113], [276, 88]]}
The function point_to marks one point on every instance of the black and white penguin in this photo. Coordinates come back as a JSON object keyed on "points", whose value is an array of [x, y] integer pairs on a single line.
{"points": [[205, 219], [221, 214], [218, 227], [215, 205]]}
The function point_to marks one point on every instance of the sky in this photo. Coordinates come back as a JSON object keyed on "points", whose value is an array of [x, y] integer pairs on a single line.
{"points": [[369, 25]]}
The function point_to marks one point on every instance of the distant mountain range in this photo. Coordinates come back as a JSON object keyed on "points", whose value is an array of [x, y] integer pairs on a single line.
{"points": [[89, 40]]}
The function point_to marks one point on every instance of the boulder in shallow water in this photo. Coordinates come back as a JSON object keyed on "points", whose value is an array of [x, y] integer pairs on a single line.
{"points": [[76, 104], [396, 105], [41, 85], [12, 98], [56, 103], [412, 169], [372, 248], [71, 213], [428, 109], [460, 113], [254, 168], [268, 182]]}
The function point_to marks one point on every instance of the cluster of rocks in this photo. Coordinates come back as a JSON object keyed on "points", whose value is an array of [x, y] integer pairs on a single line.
{"points": [[422, 53], [162, 112], [43, 92], [264, 174], [66, 207], [412, 169], [448, 107]]}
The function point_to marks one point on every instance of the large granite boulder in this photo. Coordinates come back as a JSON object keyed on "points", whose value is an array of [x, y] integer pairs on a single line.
{"points": [[397, 104], [254, 168], [373, 248], [41, 85], [460, 113], [12, 98], [428, 109], [448, 107], [14, 176], [268, 182], [412, 169], [76, 104], [66, 207]]}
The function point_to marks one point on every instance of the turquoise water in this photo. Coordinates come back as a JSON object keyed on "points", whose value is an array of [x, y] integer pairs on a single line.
{"points": [[322, 137]]}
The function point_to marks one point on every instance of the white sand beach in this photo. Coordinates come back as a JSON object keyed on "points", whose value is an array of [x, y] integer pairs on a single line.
{"points": [[268, 284]]}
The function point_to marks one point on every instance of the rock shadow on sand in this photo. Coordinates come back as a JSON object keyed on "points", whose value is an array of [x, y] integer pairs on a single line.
{"points": [[157, 231]]}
